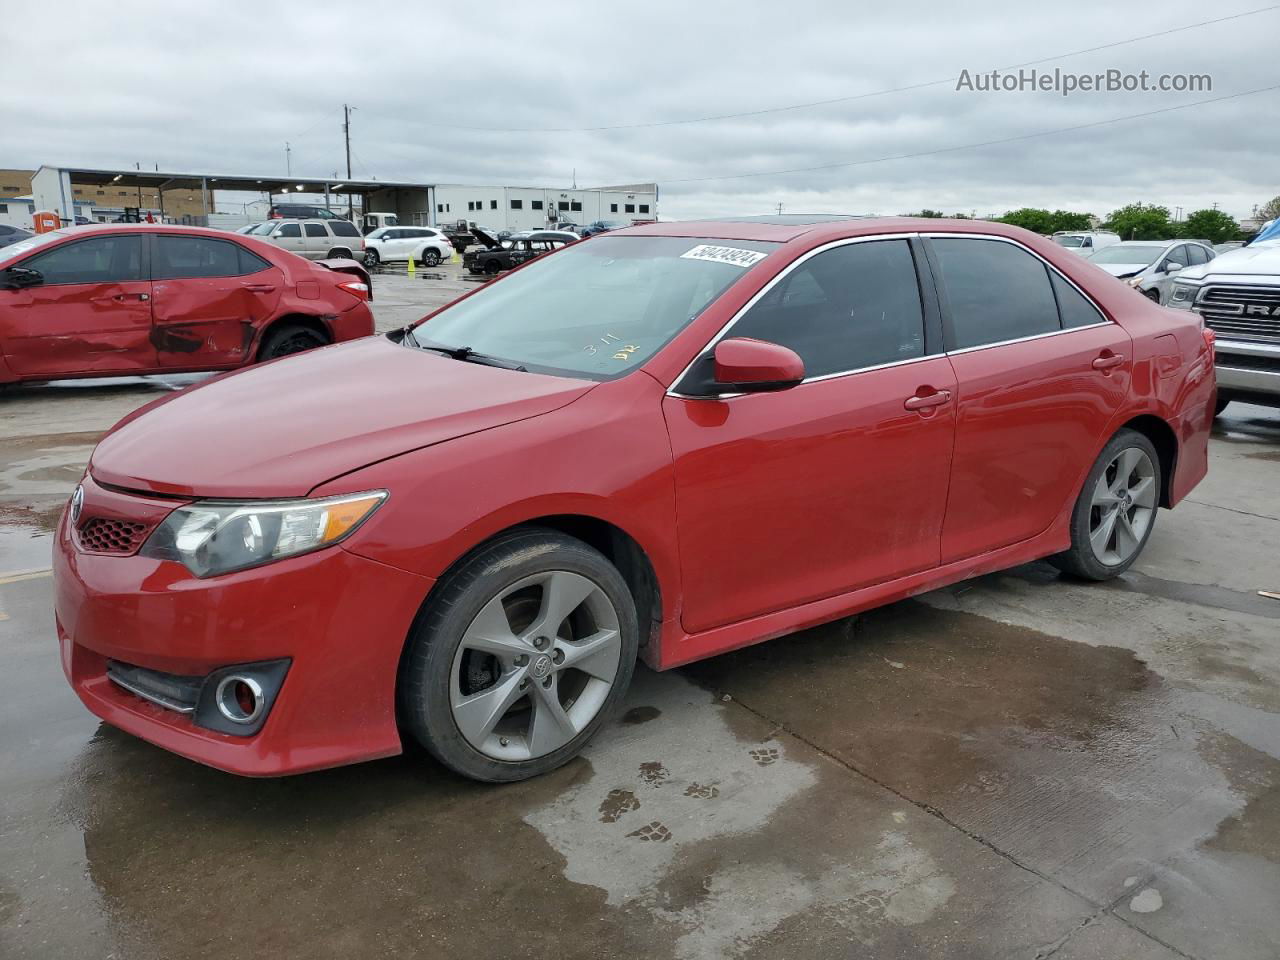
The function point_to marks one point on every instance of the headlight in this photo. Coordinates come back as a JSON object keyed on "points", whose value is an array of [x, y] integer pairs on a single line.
{"points": [[1134, 281], [218, 536], [1182, 296]]}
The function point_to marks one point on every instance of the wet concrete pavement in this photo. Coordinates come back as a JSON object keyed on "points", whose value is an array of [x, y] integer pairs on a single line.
{"points": [[1018, 766]]}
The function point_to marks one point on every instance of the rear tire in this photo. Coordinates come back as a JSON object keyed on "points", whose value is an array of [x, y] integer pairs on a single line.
{"points": [[371, 259], [290, 338], [339, 253], [430, 258], [1115, 511], [519, 657]]}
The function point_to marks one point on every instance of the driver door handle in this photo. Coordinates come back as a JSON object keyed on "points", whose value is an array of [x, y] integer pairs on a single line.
{"points": [[935, 399], [122, 297]]}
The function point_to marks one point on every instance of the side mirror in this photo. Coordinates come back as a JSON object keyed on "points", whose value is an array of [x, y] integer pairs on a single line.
{"points": [[747, 365], [1173, 266], [16, 278]]}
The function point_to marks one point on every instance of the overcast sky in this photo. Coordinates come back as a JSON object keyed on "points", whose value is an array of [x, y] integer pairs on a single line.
{"points": [[189, 89]]}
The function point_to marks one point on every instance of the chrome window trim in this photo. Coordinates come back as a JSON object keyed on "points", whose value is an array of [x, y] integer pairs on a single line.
{"points": [[720, 335], [1027, 339]]}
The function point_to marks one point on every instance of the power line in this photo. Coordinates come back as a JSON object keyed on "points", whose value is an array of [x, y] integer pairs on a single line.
{"points": [[852, 97], [970, 146]]}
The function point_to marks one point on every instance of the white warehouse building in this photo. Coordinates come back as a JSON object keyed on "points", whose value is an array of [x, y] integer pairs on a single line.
{"points": [[530, 208]]}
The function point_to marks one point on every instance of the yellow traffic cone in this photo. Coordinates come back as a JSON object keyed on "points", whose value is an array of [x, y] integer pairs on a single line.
{"points": [[412, 268]]}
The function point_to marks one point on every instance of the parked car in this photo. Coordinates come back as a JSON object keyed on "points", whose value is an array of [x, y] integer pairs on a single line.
{"points": [[424, 245], [498, 255], [1150, 266], [1085, 241], [564, 235], [254, 229], [10, 234], [600, 226], [1238, 295], [1228, 246], [566, 225], [302, 211], [317, 239], [666, 442], [101, 301]]}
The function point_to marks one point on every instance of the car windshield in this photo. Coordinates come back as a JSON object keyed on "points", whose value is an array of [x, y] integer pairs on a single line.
{"points": [[261, 228], [1122, 253], [596, 309], [28, 244]]}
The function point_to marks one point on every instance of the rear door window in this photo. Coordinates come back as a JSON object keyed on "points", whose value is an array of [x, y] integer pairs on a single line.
{"points": [[996, 291], [115, 259], [850, 307], [315, 230], [180, 258]]}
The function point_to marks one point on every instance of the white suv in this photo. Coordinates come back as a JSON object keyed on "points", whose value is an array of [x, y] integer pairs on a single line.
{"points": [[424, 245], [316, 239]]}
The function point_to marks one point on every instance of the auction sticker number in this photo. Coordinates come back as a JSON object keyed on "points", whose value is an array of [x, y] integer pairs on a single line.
{"points": [[734, 255]]}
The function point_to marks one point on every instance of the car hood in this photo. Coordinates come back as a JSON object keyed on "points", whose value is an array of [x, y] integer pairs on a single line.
{"points": [[1257, 258], [283, 428], [480, 234], [1122, 269]]}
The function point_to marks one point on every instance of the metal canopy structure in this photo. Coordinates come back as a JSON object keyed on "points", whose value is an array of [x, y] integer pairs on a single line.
{"points": [[52, 186]]}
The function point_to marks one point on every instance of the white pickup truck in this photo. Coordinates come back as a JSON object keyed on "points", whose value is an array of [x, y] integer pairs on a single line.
{"points": [[1238, 294]]}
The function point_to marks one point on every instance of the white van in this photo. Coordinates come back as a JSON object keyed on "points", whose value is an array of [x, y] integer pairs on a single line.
{"points": [[1084, 242]]}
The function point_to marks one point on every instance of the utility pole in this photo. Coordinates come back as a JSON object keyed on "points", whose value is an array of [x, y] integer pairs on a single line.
{"points": [[288, 164], [779, 209], [346, 134]]}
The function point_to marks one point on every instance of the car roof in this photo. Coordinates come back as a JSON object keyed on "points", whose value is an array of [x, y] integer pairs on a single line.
{"points": [[815, 227]]}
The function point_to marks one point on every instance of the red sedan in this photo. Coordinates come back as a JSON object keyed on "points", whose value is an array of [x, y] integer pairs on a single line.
{"points": [[121, 300], [665, 442]]}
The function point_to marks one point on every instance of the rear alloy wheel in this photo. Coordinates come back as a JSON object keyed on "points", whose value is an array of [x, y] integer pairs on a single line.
{"points": [[1116, 511], [430, 258], [520, 657], [290, 338], [371, 259]]}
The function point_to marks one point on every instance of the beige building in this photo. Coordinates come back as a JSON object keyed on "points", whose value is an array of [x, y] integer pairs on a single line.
{"points": [[177, 203]]}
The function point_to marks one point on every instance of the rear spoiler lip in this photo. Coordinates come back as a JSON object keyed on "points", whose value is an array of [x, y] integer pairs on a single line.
{"points": [[354, 267]]}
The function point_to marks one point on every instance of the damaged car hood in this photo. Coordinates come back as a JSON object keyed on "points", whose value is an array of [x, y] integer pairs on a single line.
{"points": [[283, 428]]}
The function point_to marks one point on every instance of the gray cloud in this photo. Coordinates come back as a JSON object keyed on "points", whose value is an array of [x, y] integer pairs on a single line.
{"points": [[221, 88]]}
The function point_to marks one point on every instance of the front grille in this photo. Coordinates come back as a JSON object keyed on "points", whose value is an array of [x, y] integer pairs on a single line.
{"points": [[168, 690], [1252, 312], [1240, 361], [108, 535]]}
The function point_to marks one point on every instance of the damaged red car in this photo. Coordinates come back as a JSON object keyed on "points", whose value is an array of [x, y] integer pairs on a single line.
{"points": [[123, 300], [661, 443]]}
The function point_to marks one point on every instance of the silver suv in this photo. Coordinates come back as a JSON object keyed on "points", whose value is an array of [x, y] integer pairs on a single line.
{"points": [[1238, 294], [316, 239]]}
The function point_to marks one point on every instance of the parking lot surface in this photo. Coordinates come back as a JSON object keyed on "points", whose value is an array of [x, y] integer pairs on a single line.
{"points": [[1017, 766]]}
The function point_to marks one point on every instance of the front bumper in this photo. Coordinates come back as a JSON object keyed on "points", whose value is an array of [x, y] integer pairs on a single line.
{"points": [[1249, 367], [340, 619]]}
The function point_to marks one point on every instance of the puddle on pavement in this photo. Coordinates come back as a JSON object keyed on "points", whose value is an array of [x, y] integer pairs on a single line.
{"points": [[23, 546], [1077, 759]]}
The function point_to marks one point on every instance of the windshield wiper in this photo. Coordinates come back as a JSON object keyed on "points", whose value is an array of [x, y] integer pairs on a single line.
{"points": [[466, 354]]}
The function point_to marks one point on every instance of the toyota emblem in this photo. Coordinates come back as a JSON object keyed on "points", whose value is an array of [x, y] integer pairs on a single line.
{"points": [[77, 504]]}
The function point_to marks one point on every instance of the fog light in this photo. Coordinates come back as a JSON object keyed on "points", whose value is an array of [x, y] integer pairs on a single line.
{"points": [[239, 698]]}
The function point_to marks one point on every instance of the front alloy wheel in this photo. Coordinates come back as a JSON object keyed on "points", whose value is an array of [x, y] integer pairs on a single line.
{"points": [[520, 655]]}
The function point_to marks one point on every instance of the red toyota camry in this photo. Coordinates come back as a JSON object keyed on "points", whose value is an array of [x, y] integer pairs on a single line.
{"points": [[123, 300], [665, 442]]}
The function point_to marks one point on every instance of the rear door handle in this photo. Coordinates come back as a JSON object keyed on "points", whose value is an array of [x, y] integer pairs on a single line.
{"points": [[935, 399], [260, 287], [121, 297], [1107, 361]]}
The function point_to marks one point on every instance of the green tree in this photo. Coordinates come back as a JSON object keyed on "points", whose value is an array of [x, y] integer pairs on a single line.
{"points": [[1029, 218], [1066, 220], [1270, 210], [1141, 221], [1212, 225], [926, 212]]}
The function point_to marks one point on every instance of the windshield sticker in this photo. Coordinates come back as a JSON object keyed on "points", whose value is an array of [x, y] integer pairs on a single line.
{"points": [[734, 255]]}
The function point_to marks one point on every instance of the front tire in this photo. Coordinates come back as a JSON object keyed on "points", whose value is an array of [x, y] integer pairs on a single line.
{"points": [[491, 268], [1153, 295], [1116, 511], [519, 657]]}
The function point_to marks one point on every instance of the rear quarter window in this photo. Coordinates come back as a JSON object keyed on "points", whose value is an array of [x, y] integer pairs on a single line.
{"points": [[344, 228]]}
